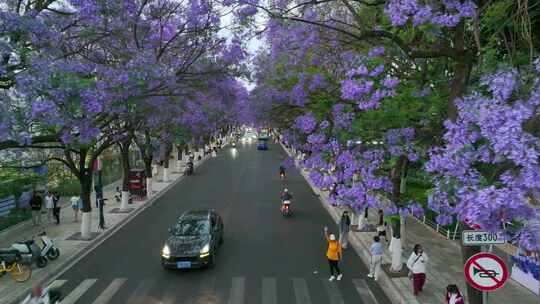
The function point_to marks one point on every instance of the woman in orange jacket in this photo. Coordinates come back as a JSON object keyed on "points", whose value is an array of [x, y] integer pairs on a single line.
{"points": [[333, 254]]}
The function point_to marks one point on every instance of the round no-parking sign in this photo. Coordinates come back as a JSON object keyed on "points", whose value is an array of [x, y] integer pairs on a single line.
{"points": [[486, 271]]}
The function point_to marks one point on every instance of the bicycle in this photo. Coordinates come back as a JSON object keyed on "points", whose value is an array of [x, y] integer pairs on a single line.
{"points": [[10, 262]]}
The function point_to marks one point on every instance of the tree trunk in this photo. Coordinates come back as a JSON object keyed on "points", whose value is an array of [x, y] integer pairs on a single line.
{"points": [[124, 154], [85, 180]]}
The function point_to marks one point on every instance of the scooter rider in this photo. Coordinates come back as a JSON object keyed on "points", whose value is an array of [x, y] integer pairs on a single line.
{"points": [[285, 196], [282, 171]]}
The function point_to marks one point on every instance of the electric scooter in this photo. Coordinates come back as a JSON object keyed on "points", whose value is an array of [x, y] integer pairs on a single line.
{"points": [[49, 249], [30, 253], [286, 208]]}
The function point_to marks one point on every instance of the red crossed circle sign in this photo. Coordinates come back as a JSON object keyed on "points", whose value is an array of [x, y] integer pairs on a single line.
{"points": [[486, 271]]}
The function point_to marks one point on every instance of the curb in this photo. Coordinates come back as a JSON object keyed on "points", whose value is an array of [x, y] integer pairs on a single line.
{"points": [[102, 237], [385, 282]]}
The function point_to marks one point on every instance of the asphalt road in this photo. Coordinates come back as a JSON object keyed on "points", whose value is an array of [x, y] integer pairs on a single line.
{"points": [[265, 258]]}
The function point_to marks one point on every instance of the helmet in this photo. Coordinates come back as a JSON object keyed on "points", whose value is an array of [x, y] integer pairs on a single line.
{"points": [[332, 237], [286, 190]]}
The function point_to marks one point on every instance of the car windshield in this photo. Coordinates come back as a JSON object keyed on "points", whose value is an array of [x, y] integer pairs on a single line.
{"points": [[192, 227]]}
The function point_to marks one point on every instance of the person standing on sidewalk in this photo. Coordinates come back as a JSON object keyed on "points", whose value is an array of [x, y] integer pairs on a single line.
{"points": [[333, 254], [381, 226], [49, 206], [75, 207], [417, 268], [453, 296], [35, 204], [344, 228], [376, 251], [56, 207]]}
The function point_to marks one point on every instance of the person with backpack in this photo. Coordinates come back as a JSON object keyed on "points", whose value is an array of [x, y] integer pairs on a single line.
{"points": [[333, 254], [417, 268], [56, 207]]}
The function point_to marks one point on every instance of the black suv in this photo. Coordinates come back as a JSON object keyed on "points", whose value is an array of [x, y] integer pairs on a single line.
{"points": [[193, 240]]}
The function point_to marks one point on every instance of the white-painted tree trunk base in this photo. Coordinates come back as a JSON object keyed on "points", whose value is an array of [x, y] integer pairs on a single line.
{"points": [[86, 225], [125, 200], [361, 221], [148, 186], [159, 175], [179, 166], [166, 175], [395, 249], [214, 154]]}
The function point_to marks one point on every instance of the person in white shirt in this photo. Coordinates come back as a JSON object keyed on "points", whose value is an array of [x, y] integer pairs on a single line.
{"points": [[417, 268], [49, 206]]}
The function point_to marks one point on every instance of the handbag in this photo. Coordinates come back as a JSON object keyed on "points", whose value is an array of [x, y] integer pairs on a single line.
{"points": [[410, 273]]}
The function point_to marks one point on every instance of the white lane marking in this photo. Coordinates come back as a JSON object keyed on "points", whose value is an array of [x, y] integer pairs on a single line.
{"points": [[237, 290], [140, 295], [301, 291], [332, 291], [269, 291], [57, 284], [365, 293], [76, 293], [106, 296]]}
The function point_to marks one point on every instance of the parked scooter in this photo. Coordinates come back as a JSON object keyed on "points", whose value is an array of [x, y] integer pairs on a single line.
{"points": [[49, 249], [30, 253]]}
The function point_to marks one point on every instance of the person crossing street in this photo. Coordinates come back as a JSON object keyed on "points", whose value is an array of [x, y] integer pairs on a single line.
{"points": [[333, 254]]}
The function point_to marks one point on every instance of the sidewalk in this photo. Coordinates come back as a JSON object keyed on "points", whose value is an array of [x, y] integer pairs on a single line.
{"points": [[444, 267], [72, 249]]}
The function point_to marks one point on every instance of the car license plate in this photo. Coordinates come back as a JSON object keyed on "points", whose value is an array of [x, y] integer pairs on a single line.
{"points": [[183, 264]]}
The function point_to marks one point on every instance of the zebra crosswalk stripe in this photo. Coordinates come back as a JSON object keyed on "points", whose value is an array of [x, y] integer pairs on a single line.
{"points": [[76, 293], [301, 291], [110, 291], [269, 291], [141, 291], [57, 284], [365, 293], [333, 292], [237, 290]]}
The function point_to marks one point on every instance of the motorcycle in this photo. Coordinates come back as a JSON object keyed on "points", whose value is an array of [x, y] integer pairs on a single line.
{"points": [[282, 175], [189, 169], [286, 208], [30, 252]]}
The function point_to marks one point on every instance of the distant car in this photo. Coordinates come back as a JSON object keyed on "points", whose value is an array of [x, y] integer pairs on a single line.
{"points": [[193, 240], [262, 145]]}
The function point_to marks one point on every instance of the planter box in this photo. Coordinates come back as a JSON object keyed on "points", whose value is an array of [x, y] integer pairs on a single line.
{"points": [[526, 280]]}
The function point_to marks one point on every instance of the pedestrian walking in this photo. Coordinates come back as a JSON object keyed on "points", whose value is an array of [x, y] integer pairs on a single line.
{"points": [[376, 251], [417, 268], [453, 296], [333, 254], [36, 202], [381, 226], [75, 206], [344, 228], [214, 152], [56, 208], [49, 207]]}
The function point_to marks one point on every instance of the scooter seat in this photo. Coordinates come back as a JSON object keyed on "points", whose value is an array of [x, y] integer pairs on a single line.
{"points": [[9, 255], [29, 242]]}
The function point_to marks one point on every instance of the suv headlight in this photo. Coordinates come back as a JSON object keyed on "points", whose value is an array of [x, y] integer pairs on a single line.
{"points": [[166, 252], [205, 251]]}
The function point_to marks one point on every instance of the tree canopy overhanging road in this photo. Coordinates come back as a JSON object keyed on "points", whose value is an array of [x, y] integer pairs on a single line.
{"points": [[413, 107]]}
